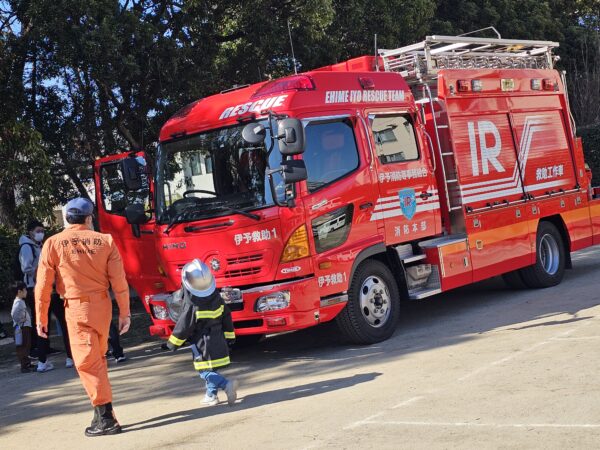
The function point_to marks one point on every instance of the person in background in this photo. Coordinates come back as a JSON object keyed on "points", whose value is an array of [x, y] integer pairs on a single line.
{"points": [[29, 251], [84, 265], [30, 246], [21, 317], [115, 345], [57, 307]]}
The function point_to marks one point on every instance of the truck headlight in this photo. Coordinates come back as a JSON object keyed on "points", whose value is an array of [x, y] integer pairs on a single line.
{"points": [[167, 306], [273, 301], [159, 311]]}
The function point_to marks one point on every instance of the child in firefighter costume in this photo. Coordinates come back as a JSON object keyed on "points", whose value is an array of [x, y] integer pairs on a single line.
{"points": [[205, 321]]}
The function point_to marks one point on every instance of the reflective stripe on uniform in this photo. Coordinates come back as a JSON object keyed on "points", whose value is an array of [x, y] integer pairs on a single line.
{"points": [[210, 314], [176, 341], [205, 365], [229, 334]]}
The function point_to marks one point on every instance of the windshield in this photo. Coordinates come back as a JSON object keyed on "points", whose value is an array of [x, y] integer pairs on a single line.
{"points": [[209, 174]]}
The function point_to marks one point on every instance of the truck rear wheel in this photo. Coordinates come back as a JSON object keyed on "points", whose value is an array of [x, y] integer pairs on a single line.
{"points": [[549, 267], [373, 309]]}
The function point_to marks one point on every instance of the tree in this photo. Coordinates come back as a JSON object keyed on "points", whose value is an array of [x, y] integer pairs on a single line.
{"points": [[25, 181], [97, 77]]}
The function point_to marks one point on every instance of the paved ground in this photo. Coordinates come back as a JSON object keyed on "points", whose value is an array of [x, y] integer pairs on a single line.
{"points": [[483, 367]]}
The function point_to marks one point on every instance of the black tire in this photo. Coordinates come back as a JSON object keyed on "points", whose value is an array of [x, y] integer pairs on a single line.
{"points": [[514, 280], [352, 320], [549, 267]]}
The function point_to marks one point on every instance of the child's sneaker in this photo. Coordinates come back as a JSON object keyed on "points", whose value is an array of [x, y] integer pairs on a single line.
{"points": [[69, 363], [44, 367], [231, 390], [210, 400]]}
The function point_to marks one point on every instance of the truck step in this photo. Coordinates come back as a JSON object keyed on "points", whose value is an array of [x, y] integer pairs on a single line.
{"points": [[418, 294], [432, 287], [413, 258], [406, 254], [444, 240]]}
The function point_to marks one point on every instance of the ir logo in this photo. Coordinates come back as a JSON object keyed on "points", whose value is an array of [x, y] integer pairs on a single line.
{"points": [[489, 146]]}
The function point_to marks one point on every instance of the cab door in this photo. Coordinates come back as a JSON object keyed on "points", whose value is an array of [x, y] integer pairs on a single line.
{"points": [[408, 200], [340, 197], [136, 245]]}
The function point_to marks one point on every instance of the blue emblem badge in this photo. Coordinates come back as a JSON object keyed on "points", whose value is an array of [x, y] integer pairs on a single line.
{"points": [[408, 202]]}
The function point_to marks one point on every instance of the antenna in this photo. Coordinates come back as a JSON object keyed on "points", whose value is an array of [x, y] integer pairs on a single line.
{"points": [[292, 45], [376, 55]]}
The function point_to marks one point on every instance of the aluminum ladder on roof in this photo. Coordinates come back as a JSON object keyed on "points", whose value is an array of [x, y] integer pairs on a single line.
{"points": [[421, 61], [419, 65]]}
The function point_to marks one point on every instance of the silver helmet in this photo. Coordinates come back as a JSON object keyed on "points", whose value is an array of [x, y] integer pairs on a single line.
{"points": [[198, 279]]}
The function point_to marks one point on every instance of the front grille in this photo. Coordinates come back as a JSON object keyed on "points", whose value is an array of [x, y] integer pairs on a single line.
{"points": [[243, 259], [242, 272]]}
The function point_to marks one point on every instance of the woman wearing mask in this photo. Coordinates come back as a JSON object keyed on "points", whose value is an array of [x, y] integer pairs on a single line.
{"points": [[30, 247]]}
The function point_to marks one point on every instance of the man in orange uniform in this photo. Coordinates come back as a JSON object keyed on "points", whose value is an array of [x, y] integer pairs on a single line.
{"points": [[84, 263]]}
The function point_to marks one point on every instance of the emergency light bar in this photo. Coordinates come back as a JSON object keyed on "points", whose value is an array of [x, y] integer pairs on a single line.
{"points": [[293, 83], [422, 60]]}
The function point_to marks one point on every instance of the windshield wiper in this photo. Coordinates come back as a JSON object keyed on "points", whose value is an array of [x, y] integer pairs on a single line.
{"points": [[178, 217], [238, 211]]}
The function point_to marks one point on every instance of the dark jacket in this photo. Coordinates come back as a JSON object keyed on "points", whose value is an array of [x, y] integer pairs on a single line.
{"points": [[205, 322]]}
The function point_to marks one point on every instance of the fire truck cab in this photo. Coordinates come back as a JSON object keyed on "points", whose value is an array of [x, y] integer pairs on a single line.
{"points": [[339, 192]]}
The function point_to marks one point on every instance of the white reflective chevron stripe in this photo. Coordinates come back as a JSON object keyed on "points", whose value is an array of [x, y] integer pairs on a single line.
{"points": [[484, 190], [531, 125], [497, 189], [517, 190], [394, 204], [395, 197], [398, 211]]}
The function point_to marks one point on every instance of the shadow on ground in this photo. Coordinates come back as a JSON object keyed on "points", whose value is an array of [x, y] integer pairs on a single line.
{"points": [[444, 320], [254, 401]]}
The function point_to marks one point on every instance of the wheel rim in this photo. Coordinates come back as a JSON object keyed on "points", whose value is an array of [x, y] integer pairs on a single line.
{"points": [[375, 301], [549, 254]]}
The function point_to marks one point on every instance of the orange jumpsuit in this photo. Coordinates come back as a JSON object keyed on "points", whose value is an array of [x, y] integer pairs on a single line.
{"points": [[84, 264]]}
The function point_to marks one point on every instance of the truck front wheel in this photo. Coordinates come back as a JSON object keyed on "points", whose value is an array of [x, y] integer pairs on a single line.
{"points": [[373, 308], [549, 267]]}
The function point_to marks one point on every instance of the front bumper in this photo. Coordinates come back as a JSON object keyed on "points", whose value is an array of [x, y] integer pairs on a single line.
{"points": [[302, 312]]}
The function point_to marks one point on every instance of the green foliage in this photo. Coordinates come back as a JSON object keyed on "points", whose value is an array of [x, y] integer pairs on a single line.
{"points": [[25, 180], [9, 246], [97, 77], [591, 148]]}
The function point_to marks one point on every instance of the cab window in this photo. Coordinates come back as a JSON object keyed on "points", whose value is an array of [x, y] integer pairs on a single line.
{"points": [[114, 195], [330, 153], [394, 138]]}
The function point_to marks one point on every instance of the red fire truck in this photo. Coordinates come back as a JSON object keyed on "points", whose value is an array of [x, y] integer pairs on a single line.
{"points": [[339, 192]]}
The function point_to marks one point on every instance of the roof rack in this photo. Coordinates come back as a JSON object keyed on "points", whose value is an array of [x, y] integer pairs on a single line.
{"points": [[421, 62]]}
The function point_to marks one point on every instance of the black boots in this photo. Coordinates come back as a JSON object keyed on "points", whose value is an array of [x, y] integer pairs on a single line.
{"points": [[104, 422]]}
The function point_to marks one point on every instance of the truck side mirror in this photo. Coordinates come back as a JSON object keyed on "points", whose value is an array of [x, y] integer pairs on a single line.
{"points": [[293, 171], [136, 214], [254, 133], [290, 134], [132, 177]]}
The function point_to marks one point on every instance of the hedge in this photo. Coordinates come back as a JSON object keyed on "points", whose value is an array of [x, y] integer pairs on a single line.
{"points": [[591, 148], [9, 246]]}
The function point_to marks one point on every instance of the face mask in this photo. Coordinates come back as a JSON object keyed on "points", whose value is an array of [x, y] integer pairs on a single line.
{"points": [[39, 237]]}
